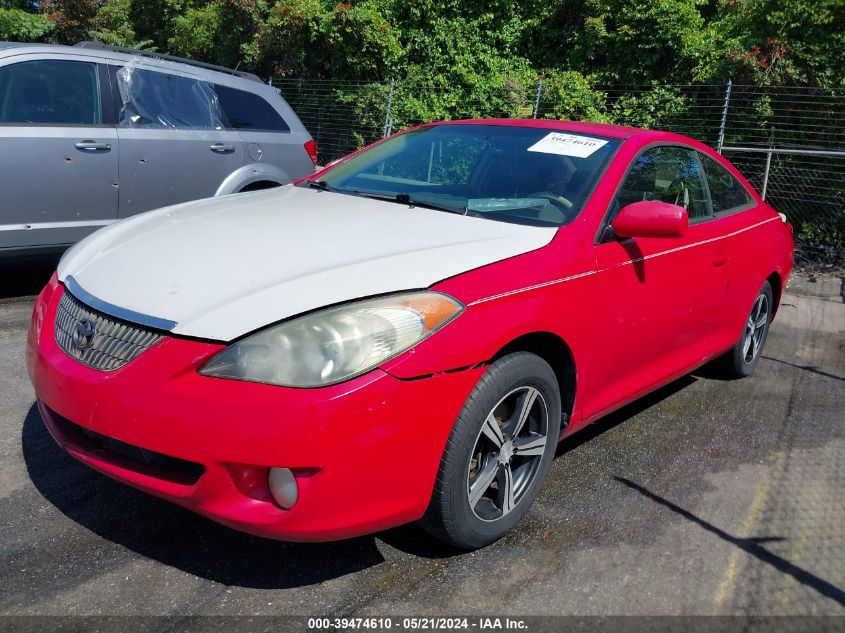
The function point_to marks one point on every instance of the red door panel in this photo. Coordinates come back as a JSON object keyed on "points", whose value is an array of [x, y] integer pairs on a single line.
{"points": [[752, 247], [658, 304]]}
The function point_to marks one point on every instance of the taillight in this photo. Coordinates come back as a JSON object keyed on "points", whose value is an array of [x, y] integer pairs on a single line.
{"points": [[785, 221], [311, 148]]}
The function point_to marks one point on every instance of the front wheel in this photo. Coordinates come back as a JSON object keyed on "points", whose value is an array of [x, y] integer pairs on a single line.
{"points": [[498, 453], [745, 355]]}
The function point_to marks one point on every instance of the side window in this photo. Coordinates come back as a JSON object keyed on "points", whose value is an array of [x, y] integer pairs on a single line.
{"points": [[667, 174], [50, 92], [726, 192], [161, 100], [245, 110]]}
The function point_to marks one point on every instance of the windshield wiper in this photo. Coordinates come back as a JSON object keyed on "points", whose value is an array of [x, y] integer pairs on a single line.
{"points": [[406, 198], [399, 198], [464, 210], [320, 185]]}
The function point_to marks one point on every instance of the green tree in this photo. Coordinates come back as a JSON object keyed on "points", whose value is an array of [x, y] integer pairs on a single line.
{"points": [[17, 25], [569, 95], [113, 25], [624, 41], [655, 108], [72, 18], [310, 38], [783, 41]]}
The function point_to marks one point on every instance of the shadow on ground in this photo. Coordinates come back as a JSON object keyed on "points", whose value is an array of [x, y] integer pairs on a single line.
{"points": [[753, 546], [26, 275], [621, 415]]}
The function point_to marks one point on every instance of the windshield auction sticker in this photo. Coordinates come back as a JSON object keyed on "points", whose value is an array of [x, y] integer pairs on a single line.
{"points": [[567, 145]]}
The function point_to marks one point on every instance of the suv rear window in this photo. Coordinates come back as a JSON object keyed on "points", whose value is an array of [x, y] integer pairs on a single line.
{"points": [[157, 99], [49, 92], [248, 111]]}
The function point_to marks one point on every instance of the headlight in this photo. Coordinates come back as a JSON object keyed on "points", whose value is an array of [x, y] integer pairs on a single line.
{"points": [[335, 344]]}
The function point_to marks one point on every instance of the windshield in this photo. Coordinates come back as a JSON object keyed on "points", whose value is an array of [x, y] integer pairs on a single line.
{"points": [[507, 173]]}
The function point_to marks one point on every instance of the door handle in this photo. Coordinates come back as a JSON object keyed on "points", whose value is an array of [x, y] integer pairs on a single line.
{"points": [[93, 146], [720, 260], [222, 148]]}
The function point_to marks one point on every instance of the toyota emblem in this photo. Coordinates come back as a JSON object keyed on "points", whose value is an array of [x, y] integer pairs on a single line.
{"points": [[83, 334]]}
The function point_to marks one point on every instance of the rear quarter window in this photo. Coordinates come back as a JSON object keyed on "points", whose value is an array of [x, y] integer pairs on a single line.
{"points": [[152, 99], [726, 192], [248, 111]]}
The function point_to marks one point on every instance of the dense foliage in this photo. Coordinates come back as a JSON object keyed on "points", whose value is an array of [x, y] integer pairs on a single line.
{"points": [[475, 44], [476, 58]]}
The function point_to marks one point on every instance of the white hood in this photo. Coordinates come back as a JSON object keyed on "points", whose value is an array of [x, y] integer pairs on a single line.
{"points": [[222, 267]]}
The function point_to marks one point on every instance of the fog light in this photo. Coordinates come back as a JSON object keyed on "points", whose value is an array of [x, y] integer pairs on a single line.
{"points": [[283, 487]]}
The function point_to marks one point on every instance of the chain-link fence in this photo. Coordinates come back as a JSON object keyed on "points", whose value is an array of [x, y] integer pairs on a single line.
{"points": [[788, 141]]}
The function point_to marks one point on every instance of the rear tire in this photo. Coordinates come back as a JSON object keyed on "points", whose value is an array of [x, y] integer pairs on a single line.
{"points": [[743, 358], [498, 454]]}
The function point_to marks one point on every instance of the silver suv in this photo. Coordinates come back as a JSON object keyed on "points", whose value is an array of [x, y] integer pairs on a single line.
{"points": [[92, 133]]}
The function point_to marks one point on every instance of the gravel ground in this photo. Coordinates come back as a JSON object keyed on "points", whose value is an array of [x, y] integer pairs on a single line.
{"points": [[706, 497]]}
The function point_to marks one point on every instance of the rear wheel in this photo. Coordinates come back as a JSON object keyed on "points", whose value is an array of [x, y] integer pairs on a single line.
{"points": [[498, 453], [745, 355]]}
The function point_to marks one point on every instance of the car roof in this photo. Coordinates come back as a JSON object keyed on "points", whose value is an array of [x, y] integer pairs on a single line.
{"points": [[15, 44], [148, 58], [598, 129]]}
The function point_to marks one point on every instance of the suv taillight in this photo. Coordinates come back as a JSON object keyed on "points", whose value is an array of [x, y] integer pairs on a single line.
{"points": [[311, 148]]}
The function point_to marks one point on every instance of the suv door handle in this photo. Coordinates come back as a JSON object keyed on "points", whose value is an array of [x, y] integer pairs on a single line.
{"points": [[93, 146], [720, 260], [222, 148]]}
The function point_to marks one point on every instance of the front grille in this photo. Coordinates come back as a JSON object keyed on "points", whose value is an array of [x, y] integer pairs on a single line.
{"points": [[97, 340]]}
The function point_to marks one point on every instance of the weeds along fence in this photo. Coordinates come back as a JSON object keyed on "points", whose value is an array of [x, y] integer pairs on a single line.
{"points": [[788, 141]]}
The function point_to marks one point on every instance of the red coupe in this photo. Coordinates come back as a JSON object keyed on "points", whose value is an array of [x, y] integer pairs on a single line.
{"points": [[407, 334]]}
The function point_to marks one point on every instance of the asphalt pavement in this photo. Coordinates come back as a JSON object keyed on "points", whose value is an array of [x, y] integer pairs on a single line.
{"points": [[706, 497]]}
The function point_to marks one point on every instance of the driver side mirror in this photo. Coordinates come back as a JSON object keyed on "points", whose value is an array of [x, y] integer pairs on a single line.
{"points": [[651, 218]]}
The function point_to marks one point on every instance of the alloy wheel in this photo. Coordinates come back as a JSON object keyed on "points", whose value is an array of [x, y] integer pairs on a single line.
{"points": [[507, 453], [755, 329]]}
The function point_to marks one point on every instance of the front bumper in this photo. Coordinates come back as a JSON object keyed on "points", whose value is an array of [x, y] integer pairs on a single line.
{"points": [[365, 452]]}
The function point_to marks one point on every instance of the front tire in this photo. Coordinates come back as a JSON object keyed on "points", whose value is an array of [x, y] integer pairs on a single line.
{"points": [[743, 358], [498, 454]]}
